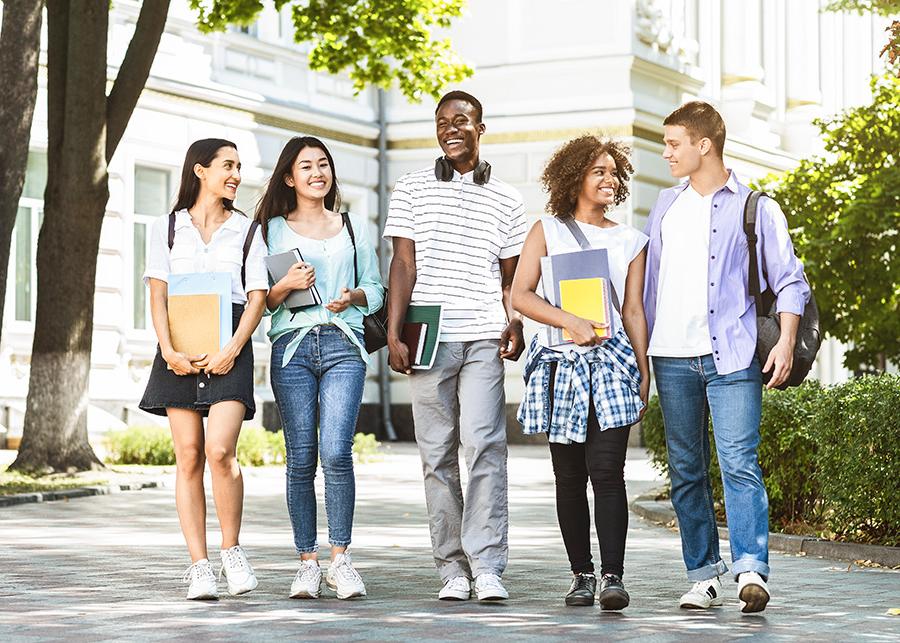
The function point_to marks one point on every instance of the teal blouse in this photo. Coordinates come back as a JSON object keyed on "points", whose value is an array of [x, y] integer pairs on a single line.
{"points": [[333, 260]]}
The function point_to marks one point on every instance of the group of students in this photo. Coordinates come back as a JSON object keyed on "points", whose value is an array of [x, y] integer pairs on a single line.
{"points": [[460, 240]]}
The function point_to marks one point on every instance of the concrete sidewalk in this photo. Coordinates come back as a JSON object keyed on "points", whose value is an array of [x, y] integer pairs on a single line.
{"points": [[110, 567]]}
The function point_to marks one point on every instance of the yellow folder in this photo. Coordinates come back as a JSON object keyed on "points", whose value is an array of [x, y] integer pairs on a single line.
{"points": [[588, 299], [194, 323]]}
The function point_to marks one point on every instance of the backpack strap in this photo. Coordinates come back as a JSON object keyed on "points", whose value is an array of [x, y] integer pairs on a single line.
{"points": [[750, 209], [171, 230], [582, 240], [247, 243], [346, 218]]}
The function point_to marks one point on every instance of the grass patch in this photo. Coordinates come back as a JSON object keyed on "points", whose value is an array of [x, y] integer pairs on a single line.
{"points": [[13, 482]]}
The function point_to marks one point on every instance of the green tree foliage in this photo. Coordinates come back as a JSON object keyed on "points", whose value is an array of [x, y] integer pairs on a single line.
{"points": [[844, 210], [375, 41]]}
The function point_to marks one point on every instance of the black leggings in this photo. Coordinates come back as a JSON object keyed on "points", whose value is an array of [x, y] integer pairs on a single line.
{"points": [[602, 459]]}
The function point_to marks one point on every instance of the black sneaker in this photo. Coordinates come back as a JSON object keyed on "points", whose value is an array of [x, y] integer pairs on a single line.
{"points": [[612, 593], [581, 594]]}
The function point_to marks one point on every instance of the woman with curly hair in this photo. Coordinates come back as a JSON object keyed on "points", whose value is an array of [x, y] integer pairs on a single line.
{"points": [[586, 396]]}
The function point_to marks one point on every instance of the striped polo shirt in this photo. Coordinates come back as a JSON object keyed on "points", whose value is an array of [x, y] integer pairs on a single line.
{"points": [[461, 230]]}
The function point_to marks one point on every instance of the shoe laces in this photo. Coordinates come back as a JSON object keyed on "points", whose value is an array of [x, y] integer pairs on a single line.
{"points": [[489, 581], [308, 570], [197, 571], [582, 580], [344, 568], [458, 583], [234, 559]]}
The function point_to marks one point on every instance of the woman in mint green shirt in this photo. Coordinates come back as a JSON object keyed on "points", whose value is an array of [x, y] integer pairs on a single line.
{"points": [[318, 359]]}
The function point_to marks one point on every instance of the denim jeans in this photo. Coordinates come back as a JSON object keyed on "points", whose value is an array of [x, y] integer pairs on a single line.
{"points": [[320, 388], [689, 389]]}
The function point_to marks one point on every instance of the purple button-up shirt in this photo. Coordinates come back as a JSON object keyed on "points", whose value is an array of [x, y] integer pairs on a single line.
{"points": [[732, 311]]}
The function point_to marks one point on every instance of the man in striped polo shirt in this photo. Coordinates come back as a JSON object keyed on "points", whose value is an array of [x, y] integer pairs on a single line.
{"points": [[457, 233]]}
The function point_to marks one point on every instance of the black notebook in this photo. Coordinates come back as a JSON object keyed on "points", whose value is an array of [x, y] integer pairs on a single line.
{"points": [[278, 266]]}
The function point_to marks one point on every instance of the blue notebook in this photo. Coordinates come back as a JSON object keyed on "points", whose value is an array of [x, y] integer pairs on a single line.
{"points": [[207, 283]]}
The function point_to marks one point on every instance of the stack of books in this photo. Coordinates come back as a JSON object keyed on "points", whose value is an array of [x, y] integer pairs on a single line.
{"points": [[579, 283]]}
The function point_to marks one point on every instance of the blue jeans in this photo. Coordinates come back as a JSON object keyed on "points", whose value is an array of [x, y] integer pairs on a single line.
{"points": [[321, 387], [689, 389]]}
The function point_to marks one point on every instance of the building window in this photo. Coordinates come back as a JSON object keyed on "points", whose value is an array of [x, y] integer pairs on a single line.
{"points": [[151, 199], [22, 285]]}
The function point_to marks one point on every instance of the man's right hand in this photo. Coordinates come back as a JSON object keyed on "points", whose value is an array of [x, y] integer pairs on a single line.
{"points": [[398, 356]]}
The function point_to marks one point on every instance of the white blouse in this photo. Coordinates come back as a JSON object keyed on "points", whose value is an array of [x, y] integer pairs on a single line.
{"points": [[224, 253]]}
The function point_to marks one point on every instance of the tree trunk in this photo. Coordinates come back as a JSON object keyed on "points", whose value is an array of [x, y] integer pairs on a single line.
{"points": [[20, 41], [55, 434]]}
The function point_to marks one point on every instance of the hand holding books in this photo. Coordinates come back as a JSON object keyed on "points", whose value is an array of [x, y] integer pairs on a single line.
{"points": [[585, 332]]}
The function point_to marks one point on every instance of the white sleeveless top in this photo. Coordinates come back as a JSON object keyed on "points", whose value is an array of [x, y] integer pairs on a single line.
{"points": [[622, 242]]}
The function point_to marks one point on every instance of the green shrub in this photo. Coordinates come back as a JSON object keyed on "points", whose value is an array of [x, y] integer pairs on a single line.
{"points": [[140, 445], [858, 431], [365, 447], [829, 456], [152, 445], [653, 434], [787, 452]]}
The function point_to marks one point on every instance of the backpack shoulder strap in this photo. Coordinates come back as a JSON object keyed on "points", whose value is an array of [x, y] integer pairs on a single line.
{"points": [[750, 209], [247, 243], [345, 216], [171, 230]]}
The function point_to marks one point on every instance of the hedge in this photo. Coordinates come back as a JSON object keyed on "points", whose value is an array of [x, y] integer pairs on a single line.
{"points": [[256, 446], [829, 456]]}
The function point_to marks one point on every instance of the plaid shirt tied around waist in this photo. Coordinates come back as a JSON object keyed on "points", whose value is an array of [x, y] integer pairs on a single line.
{"points": [[609, 374]]}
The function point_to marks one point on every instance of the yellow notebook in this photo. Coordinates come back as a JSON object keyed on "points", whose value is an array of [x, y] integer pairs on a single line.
{"points": [[588, 299], [194, 323]]}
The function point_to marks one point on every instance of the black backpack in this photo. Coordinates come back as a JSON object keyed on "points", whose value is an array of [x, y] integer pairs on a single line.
{"points": [[768, 323]]}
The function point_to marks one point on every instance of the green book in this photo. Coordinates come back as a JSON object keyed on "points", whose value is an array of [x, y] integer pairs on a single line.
{"points": [[430, 316]]}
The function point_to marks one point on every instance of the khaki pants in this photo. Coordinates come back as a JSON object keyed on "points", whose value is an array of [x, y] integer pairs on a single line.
{"points": [[460, 401]]}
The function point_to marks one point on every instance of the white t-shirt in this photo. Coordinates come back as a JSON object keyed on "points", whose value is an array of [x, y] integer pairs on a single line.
{"points": [[682, 322], [461, 230], [622, 242], [225, 252]]}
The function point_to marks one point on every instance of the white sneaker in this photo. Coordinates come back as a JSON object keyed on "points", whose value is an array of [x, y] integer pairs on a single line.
{"points": [[752, 592], [343, 579], [704, 594], [489, 588], [202, 582], [458, 588], [238, 572], [308, 581]]}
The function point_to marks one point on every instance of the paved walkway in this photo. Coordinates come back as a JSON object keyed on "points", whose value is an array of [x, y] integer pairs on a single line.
{"points": [[109, 568]]}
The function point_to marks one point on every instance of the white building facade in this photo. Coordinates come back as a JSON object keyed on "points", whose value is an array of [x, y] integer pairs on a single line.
{"points": [[544, 72]]}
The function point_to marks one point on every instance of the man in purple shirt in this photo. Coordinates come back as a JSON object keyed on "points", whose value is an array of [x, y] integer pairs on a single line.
{"points": [[702, 323]]}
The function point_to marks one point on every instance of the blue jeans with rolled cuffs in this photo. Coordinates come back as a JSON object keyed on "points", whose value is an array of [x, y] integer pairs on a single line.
{"points": [[318, 394], [689, 390]]}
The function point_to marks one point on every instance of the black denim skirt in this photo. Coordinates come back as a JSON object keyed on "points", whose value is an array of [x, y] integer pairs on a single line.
{"points": [[198, 392]]}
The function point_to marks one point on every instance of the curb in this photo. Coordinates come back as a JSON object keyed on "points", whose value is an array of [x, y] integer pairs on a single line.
{"points": [[76, 492], [661, 512]]}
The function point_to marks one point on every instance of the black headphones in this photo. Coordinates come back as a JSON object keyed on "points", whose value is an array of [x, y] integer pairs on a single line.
{"points": [[443, 171]]}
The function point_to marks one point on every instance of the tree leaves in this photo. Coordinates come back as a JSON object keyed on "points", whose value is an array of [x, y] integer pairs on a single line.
{"points": [[376, 42], [844, 213]]}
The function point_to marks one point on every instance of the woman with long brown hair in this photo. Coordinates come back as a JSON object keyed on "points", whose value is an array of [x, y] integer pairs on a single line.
{"points": [[318, 357], [204, 233]]}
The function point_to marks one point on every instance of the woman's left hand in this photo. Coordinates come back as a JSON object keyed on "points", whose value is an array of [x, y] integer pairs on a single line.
{"points": [[340, 304], [220, 363], [645, 395]]}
